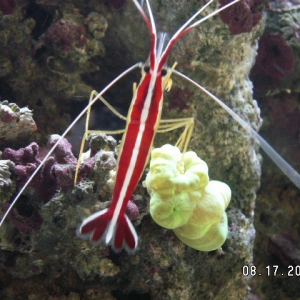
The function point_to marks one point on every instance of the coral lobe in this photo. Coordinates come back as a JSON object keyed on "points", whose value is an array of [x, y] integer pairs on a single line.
{"points": [[242, 16]]}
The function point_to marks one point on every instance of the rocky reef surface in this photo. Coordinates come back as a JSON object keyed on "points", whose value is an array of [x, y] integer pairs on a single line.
{"points": [[276, 88], [54, 55]]}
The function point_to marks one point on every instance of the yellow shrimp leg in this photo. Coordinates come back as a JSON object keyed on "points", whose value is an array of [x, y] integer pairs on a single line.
{"points": [[88, 131], [172, 124], [164, 126]]}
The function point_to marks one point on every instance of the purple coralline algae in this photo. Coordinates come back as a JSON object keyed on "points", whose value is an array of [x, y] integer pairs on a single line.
{"points": [[57, 172], [275, 61], [7, 7], [56, 175], [65, 34], [132, 210], [242, 16], [275, 57]]}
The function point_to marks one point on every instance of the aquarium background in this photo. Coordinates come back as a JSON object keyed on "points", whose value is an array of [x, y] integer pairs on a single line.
{"points": [[53, 54]]}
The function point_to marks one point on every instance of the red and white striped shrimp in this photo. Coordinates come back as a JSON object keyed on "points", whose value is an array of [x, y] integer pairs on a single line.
{"points": [[112, 224]]}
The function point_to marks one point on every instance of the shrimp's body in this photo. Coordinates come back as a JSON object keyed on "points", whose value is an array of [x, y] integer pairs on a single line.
{"points": [[111, 225], [142, 123]]}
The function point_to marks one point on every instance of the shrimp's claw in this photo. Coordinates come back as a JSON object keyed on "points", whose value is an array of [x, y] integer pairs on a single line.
{"points": [[100, 228]]}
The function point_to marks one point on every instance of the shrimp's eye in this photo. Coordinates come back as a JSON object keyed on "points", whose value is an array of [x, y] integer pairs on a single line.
{"points": [[164, 72], [146, 69]]}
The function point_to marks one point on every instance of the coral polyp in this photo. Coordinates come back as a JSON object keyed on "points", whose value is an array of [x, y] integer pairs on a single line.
{"points": [[183, 198], [242, 16]]}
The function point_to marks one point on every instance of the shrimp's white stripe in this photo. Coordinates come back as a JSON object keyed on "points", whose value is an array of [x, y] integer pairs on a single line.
{"points": [[144, 116], [133, 160]]}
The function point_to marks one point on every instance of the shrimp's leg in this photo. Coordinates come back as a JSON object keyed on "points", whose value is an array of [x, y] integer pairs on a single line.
{"points": [[164, 126], [172, 124], [88, 131]]}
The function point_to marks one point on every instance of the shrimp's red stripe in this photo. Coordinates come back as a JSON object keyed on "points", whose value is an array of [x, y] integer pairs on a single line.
{"points": [[140, 134], [142, 123]]}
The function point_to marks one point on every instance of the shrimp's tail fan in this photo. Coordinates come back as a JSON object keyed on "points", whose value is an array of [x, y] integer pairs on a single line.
{"points": [[101, 227]]}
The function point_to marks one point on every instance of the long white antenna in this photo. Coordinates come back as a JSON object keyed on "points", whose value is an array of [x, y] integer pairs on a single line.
{"points": [[212, 14], [63, 135], [282, 164], [183, 30], [191, 19]]}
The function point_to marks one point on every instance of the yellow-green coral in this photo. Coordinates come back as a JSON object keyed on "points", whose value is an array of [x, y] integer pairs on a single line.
{"points": [[183, 198]]}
